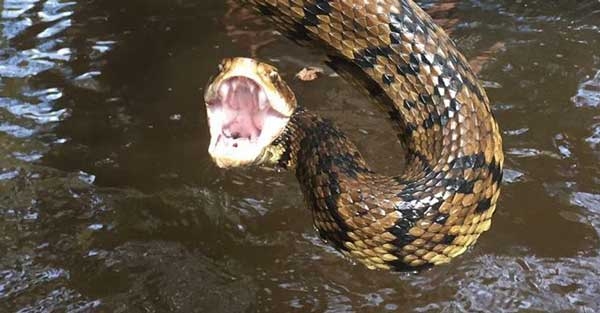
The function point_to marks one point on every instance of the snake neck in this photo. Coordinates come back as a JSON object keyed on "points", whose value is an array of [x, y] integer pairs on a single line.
{"points": [[334, 177], [311, 145]]}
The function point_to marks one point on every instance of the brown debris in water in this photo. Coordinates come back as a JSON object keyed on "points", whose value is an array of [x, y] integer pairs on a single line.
{"points": [[309, 73]]}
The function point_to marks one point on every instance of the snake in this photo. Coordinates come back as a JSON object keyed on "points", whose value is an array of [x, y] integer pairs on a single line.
{"points": [[445, 198]]}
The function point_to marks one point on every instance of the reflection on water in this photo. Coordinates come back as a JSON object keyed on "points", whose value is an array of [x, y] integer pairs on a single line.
{"points": [[109, 202]]}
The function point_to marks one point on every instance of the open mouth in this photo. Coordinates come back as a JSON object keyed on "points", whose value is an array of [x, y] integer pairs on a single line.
{"points": [[242, 121]]}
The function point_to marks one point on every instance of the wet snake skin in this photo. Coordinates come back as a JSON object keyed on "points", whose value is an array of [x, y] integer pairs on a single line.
{"points": [[447, 194]]}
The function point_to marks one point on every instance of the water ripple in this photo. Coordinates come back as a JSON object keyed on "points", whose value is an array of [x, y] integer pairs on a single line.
{"points": [[531, 152], [16, 130], [28, 276], [52, 10], [31, 62], [8, 175], [16, 8], [589, 201], [42, 113], [61, 300], [594, 139], [14, 28], [55, 29], [35, 45], [50, 94], [588, 94], [103, 46]]}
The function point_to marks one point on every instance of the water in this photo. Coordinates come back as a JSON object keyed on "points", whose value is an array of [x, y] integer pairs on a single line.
{"points": [[109, 202]]}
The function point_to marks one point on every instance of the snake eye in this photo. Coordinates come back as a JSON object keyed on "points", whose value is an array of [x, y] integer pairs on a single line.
{"points": [[225, 64], [274, 76]]}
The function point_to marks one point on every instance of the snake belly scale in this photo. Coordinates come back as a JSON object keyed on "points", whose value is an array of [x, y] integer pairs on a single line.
{"points": [[447, 195]]}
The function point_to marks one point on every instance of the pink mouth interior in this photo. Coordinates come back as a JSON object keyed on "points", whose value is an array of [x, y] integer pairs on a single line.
{"points": [[245, 107]]}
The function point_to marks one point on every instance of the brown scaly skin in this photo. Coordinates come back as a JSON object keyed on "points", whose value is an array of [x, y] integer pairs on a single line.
{"points": [[446, 197]]}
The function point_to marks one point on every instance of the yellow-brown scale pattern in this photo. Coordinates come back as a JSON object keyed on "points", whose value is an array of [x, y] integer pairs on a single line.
{"points": [[447, 195]]}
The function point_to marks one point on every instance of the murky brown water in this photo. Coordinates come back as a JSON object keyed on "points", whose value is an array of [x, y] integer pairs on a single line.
{"points": [[109, 203]]}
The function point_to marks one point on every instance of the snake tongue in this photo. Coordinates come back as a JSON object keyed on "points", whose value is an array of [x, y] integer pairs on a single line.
{"points": [[241, 126]]}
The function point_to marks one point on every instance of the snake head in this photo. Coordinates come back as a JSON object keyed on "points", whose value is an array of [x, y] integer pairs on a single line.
{"points": [[248, 106]]}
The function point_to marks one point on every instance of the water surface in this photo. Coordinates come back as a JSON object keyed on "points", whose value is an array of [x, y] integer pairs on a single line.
{"points": [[109, 201]]}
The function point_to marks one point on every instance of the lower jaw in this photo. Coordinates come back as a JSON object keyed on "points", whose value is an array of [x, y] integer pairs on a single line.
{"points": [[234, 153]]}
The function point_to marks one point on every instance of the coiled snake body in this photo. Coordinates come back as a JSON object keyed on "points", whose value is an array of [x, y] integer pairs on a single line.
{"points": [[446, 196]]}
